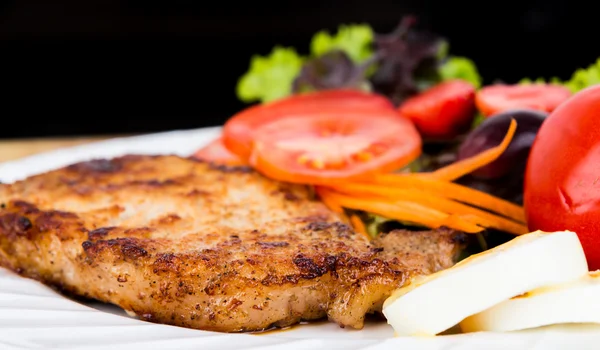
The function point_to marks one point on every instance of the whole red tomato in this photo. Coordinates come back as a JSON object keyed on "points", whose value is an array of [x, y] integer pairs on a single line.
{"points": [[562, 180]]}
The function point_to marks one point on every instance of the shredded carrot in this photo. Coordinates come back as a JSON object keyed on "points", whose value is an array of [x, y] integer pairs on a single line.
{"points": [[496, 222], [430, 199], [405, 211], [454, 191], [466, 166], [435, 201], [359, 226], [333, 205], [328, 200]]}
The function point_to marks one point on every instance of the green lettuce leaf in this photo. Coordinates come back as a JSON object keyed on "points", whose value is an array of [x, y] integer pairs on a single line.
{"points": [[579, 80], [372, 224], [479, 118], [355, 40], [270, 77], [540, 81], [460, 68], [582, 78]]}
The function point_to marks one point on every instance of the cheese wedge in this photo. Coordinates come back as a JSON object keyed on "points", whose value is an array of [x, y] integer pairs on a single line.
{"points": [[435, 303], [573, 302]]}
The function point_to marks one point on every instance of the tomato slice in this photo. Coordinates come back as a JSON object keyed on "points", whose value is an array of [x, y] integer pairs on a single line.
{"points": [[322, 148], [444, 111], [499, 98], [238, 131], [216, 152]]}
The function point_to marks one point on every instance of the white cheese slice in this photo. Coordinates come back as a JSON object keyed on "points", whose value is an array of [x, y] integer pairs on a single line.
{"points": [[434, 303], [571, 302]]}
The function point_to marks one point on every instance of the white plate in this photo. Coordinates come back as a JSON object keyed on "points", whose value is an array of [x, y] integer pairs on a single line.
{"points": [[32, 316]]}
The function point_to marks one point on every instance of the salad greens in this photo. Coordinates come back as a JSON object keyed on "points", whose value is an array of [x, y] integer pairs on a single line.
{"points": [[461, 68], [398, 65], [334, 69], [270, 77], [579, 80], [355, 40], [584, 77]]}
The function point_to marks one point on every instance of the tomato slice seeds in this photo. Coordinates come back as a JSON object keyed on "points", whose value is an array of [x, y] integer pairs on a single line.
{"points": [[323, 147]]}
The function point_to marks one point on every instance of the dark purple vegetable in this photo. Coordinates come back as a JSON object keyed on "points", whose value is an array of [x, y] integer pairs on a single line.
{"points": [[491, 132], [330, 71], [403, 56], [406, 60]]}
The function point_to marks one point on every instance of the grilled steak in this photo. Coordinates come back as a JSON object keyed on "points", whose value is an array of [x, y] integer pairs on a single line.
{"points": [[187, 243]]}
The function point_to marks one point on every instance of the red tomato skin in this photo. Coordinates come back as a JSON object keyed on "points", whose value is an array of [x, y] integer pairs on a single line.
{"points": [[494, 99], [443, 111], [304, 134], [216, 152], [562, 179], [238, 130]]}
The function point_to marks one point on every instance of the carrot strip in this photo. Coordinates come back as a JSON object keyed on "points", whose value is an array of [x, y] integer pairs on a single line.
{"points": [[359, 226], [430, 199], [328, 200], [477, 216], [405, 211], [466, 166], [454, 191], [497, 223]]}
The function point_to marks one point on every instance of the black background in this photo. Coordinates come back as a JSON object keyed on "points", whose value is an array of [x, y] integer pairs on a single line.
{"points": [[94, 67]]}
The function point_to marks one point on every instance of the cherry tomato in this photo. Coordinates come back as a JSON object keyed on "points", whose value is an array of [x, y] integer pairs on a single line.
{"points": [[216, 152], [238, 131], [443, 111], [322, 148], [498, 98], [562, 179]]}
